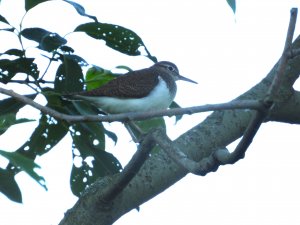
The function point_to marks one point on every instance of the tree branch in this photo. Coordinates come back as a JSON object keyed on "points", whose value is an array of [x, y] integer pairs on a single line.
{"points": [[123, 117]]}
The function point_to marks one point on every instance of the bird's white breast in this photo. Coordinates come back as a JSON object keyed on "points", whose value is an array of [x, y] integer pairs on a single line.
{"points": [[159, 98]]}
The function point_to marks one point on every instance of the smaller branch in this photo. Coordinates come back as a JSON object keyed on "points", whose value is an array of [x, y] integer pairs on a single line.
{"points": [[202, 167], [249, 134], [130, 170], [284, 58], [260, 115], [123, 117]]}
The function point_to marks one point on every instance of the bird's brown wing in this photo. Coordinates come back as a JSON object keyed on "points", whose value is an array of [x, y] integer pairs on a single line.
{"points": [[134, 84]]}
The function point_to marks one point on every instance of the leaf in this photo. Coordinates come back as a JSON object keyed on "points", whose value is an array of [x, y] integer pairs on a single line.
{"points": [[80, 10], [9, 186], [69, 76], [232, 5], [116, 37], [11, 105], [97, 76], [146, 125], [9, 68], [89, 142], [2, 19], [111, 135], [45, 136], [6, 121], [16, 52], [29, 4], [103, 164], [47, 40], [25, 164], [173, 106]]}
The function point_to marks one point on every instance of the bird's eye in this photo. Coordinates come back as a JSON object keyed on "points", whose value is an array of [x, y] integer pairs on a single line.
{"points": [[170, 68]]}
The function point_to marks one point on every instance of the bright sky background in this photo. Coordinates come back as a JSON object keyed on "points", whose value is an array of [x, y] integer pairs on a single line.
{"points": [[226, 54]]}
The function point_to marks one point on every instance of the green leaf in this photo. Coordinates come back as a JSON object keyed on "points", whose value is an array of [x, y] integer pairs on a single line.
{"points": [[9, 68], [9, 186], [29, 4], [6, 121], [11, 105], [173, 106], [16, 52], [69, 76], [47, 40], [2, 19], [97, 76], [116, 37], [45, 136], [147, 125], [232, 5], [25, 164], [111, 135], [80, 10]]}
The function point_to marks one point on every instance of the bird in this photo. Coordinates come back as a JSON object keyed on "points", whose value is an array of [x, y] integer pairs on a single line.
{"points": [[147, 89]]}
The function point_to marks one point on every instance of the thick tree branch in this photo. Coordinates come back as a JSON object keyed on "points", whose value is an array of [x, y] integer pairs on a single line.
{"points": [[216, 132]]}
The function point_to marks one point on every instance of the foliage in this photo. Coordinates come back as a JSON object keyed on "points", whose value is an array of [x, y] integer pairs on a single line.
{"points": [[88, 138]]}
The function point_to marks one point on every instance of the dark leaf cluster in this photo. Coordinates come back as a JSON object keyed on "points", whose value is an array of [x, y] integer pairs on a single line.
{"points": [[91, 160]]}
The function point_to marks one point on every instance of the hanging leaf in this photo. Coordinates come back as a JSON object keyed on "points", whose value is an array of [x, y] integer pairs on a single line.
{"points": [[25, 164], [102, 164], [16, 52], [232, 5], [80, 10], [9, 68], [29, 4], [173, 106], [116, 37], [69, 76], [47, 40], [6, 121], [9, 186], [11, 105], [2, 19]]}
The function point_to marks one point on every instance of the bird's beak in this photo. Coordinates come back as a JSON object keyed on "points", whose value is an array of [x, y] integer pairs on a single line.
{"points": [[186, 79]]}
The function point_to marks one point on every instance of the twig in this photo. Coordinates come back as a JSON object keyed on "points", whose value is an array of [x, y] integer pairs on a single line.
{"points": [[259, 116], [284, 58], [123, 117]]}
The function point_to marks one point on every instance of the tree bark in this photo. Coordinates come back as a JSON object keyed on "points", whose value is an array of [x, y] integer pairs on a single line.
{"points": [[159, 172]]}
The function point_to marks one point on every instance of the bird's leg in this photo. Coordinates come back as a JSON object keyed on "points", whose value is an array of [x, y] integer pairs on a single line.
{"points": [[135, 131]]}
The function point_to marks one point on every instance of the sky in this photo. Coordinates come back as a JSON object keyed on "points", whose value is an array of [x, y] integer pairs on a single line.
{"points": [[226, 54]]}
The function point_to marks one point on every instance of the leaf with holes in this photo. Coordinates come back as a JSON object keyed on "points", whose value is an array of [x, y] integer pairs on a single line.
{"points": [[45, 136], [102, 164], [116, 37], [9, 68], [69, 76]]}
